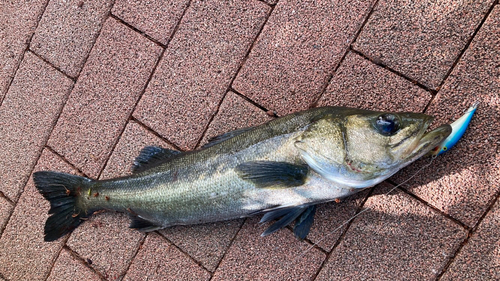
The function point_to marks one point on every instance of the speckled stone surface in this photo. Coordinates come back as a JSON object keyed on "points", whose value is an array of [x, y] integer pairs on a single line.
{"points": [[463, 181], [385, 242], [67, 268], [5, 210], [23, 253], [159, 260], [95, 113], [420, 39], [27, 115], [478, 260], [18, 20], [304, 40], [234, 113], [155, 18], [275, 257], [198, 66], [67, 31], [360, 83]]}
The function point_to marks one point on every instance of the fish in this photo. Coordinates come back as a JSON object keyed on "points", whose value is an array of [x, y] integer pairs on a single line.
{"points": [[281, 169]]}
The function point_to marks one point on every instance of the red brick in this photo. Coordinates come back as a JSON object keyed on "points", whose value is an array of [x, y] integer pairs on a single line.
{"points": [[27, 116], [18, 20], [67, 32], [234, 113], [206, 243], [105, 238], [299, 47], [96, 112], [397, 238], [279, 256], [478, 260], [155, 18], [421, 39], [68, 268], [159, 260], [361, 84], [463, 181], [23, 253], [198, 66]]}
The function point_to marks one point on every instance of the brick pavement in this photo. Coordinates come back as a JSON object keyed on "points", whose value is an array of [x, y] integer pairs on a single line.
{"points": [[84, 85]]}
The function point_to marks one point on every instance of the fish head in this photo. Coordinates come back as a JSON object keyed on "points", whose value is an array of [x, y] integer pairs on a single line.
{"points": [[359, 148]]}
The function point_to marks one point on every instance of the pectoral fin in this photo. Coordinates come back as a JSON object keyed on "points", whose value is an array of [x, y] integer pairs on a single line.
{"points": [[278, 174]]}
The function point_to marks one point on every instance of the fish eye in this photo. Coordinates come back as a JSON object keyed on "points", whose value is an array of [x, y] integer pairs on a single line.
{"points": [[387, 124]]}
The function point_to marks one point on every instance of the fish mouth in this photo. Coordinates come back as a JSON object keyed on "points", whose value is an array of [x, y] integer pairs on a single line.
{"points": [[429, 141]]}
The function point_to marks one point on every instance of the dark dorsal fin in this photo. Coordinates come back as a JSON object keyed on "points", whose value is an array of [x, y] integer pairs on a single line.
{"points": [[220, 138], [269, 173], [152, 156]]}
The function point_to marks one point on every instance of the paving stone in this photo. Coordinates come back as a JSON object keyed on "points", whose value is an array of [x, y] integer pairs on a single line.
{"points": [[331, 220], [155, 18], [27, 115], [279, 256], [67, 31], [462, 182], [234, 113], [198, 66], [398, 238], [206, 243], [478, 260], [5, 211], [297, 50], [361, 84], [67, 268], [23, 253], [18, 20], [95, 114], [106, 239], [159, 260], [421, 39]]}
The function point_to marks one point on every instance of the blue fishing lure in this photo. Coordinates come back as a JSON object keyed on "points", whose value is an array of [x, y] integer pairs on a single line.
{"points": [[458, 130]]}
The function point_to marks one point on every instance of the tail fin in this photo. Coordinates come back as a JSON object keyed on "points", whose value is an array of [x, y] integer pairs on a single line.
{"points": [[62, 191]]}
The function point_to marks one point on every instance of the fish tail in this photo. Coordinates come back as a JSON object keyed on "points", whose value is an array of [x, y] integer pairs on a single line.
{"points": [[63, 192]]}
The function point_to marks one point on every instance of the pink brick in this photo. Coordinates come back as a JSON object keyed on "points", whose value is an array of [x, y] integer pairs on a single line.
{"points": [[361, 84], [5, 211], [299, 47], [463, 181], [279, 256], [155, 18], [421, 39], [198, 66], [104, 96], [23, 253], [159, 260], [106, 239], [478, 260], [206, 243], [234, 113], [67, 31], [18, 20], [397, 238], [27, 115], [68, 268], [331, 220]]}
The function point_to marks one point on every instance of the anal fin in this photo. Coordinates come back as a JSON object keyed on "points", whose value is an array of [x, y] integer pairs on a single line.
{"points": [[143, 224]]}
